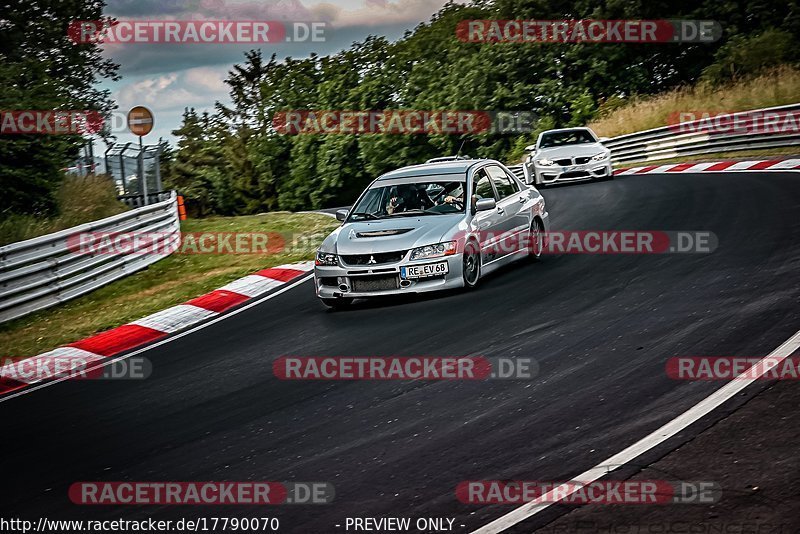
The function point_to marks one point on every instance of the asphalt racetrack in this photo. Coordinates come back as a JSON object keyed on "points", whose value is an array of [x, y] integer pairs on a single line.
{"points": [[600, 327]]}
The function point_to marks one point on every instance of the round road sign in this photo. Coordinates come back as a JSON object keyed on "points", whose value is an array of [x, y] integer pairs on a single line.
{"points": [[140, 120]]}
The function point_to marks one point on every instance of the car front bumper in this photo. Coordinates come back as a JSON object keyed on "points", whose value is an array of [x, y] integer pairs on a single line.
{"points": [[572, 173], [338, 281]]}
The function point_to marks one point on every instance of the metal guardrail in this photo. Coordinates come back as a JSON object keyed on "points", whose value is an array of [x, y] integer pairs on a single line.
{"points": [[669, 142], [519, 172], [41, 272]]}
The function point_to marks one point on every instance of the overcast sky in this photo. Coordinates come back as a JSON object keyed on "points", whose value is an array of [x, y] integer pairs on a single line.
{"points": [[169, 77]]}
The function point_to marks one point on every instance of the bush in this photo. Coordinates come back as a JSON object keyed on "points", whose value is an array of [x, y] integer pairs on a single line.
{"points": [[78, 200], [748, 55]]}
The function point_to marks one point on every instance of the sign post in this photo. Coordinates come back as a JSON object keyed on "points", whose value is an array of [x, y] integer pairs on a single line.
{"points": [[140, 122]]}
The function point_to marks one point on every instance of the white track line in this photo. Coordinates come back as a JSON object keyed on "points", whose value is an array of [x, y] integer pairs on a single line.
{"points": [[688, 417], [109, 361]]}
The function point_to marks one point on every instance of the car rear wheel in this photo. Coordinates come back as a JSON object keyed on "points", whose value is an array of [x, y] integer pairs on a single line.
{"points": [[337, 303], [471, 261]]}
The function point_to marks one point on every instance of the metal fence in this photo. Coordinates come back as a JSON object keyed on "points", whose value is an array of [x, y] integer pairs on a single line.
{"points": [[86, 163], [675, 141], [44, 271], [137, 201], [135, 171]]}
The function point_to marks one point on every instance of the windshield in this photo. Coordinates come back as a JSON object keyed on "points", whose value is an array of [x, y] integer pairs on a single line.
{"points": [[572, 137], [412, 199]]}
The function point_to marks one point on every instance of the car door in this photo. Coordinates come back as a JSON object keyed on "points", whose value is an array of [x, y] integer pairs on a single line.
{"points": [[514, 212], [488, 224]]}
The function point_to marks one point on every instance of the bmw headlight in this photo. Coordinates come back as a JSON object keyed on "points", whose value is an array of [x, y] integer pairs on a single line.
{"points": [[599, 157], [544, 162], [434, 251], [326, 258]]}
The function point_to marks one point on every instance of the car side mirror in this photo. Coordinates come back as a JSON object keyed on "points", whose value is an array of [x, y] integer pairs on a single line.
{"points": [[530, 148], [341, 215], [485, 204]]}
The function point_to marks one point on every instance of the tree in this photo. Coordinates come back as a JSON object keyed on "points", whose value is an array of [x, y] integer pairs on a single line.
{"points": [[430, 69], [42, 69], [749, 55]]}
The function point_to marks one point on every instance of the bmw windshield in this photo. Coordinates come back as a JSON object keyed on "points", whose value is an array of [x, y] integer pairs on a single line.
{"points": [[571, 137], [436, 197]]}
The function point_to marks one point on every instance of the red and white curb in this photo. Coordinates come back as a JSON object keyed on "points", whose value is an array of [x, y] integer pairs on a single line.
{"points": [[714, 166], [153, 327]]}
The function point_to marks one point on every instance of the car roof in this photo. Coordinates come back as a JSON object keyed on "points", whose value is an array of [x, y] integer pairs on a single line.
{"points": [[436, 168], [566, 130]]}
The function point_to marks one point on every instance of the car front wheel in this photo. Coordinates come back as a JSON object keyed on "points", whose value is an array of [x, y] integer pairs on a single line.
{"points": [[471, 264], [537, 237]]}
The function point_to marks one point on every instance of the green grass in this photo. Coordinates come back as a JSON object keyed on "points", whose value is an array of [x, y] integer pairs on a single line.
{"points": [[774, 88], [170, 281]]}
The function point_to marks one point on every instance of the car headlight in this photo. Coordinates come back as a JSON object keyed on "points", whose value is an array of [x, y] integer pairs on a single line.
{"points": [[434, 251], [326, 258], [544, 162], [599, 157]]}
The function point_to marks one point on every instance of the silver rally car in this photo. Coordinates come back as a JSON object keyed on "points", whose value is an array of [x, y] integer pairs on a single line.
{"points": [[430, 227]]}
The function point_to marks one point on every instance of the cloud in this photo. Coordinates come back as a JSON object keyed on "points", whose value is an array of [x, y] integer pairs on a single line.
{"points": [[197, 87], [210, 9], [340, 13], [168, 77], [378, 13], [207, 78], [347, 21], [168, 95]]}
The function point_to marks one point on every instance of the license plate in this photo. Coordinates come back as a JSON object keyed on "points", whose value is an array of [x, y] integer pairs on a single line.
{"points": [[424, 271]]}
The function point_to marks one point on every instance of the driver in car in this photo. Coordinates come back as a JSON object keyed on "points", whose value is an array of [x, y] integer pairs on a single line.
{"points": [[456, 197]]}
